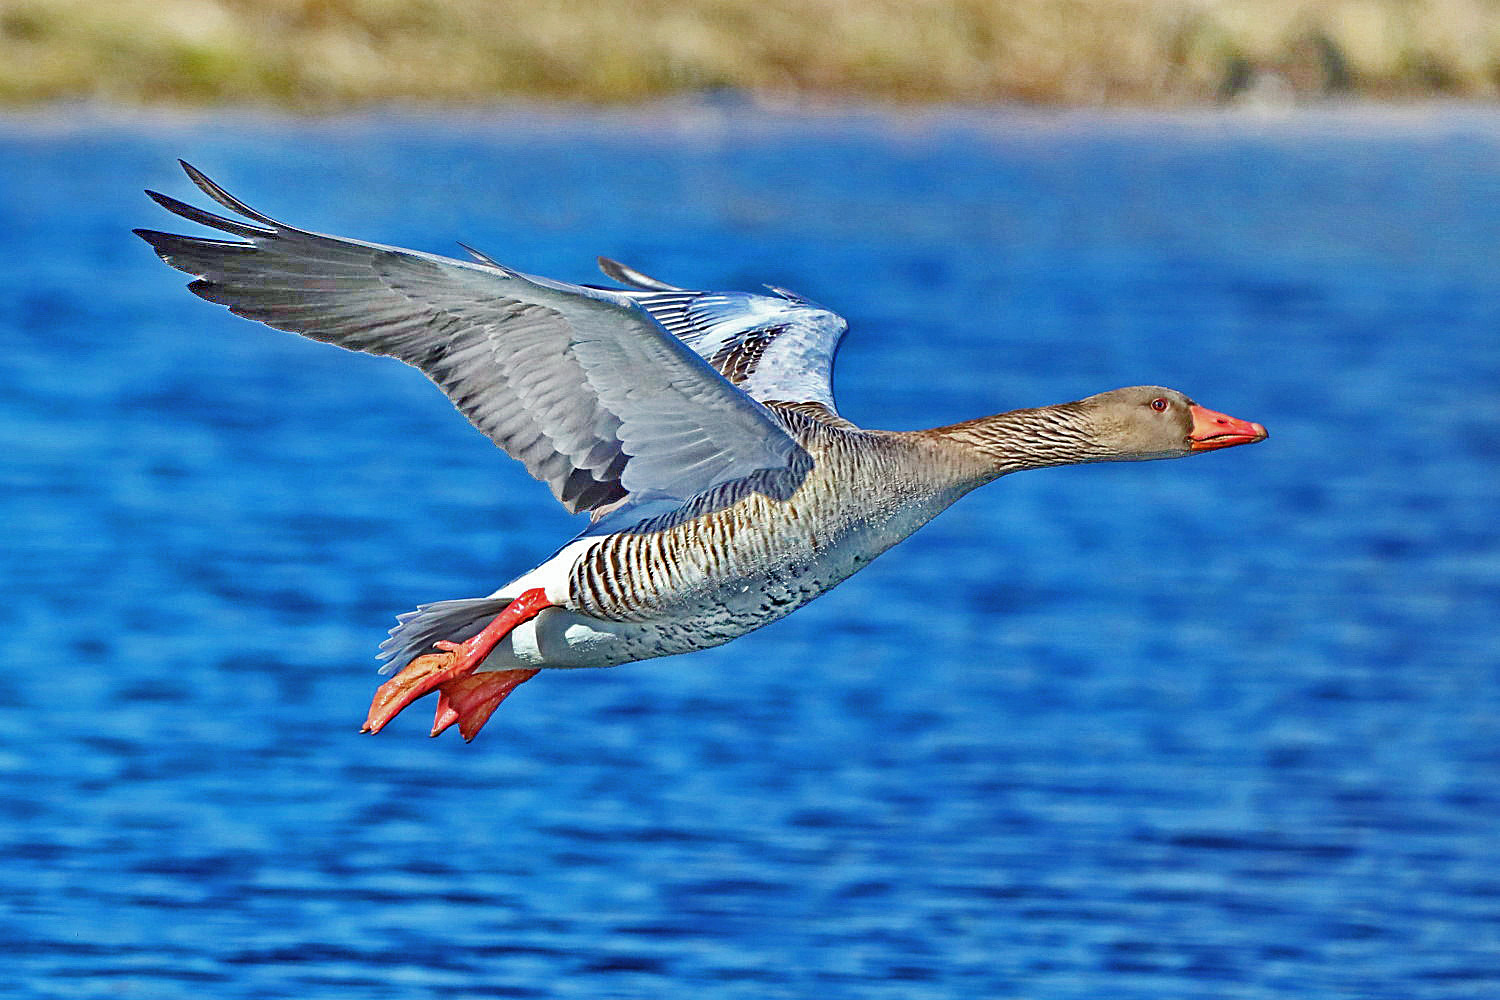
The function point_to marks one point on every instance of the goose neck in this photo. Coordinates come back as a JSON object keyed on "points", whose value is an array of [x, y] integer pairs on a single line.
{"points": [[1025, 439]]}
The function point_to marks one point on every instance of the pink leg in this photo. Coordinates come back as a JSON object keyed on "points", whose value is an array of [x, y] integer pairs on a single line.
{"points": [[455, 660], [469, 701]]}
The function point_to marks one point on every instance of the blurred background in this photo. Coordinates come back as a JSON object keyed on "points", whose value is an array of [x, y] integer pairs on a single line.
{"points": [[333, 53], [1226, 727]]}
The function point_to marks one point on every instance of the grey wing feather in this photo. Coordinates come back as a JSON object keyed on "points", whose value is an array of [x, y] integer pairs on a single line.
{"points": [[627, 275], [775, 347], [579, 384]]}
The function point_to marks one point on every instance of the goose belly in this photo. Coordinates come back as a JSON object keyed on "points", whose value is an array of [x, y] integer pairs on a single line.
{"points": [[666, 614], [678, 585], [705, 582]]}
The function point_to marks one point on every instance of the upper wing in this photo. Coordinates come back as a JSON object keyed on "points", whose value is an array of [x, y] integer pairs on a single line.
{"points": [[578, 383], [775, 347]]}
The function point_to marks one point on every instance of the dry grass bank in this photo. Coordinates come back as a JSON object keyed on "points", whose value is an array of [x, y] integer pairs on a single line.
{"points": [[329, 53]]}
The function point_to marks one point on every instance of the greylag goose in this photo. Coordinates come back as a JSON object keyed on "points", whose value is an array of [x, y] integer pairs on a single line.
{"points": [[698, 428]]}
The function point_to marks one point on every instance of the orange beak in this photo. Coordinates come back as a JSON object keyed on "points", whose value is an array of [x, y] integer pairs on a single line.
{"points": [[1218, 430]]}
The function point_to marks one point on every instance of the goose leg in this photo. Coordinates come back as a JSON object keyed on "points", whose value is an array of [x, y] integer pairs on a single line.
{"points": [[454, 660]]}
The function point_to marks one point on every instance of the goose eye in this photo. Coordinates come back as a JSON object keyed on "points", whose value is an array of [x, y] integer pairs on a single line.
{"points": [[1159, 404]]}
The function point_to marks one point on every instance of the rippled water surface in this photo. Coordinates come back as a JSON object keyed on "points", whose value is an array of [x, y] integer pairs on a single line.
{"points": [[1222, 727]]}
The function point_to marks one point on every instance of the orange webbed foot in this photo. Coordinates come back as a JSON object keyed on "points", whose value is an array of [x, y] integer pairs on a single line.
{"points": [[471, 700], [466, 697], [417, 678]]}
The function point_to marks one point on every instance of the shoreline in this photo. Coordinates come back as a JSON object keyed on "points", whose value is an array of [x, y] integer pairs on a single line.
{"points": [[685, 111], [312, 55]]}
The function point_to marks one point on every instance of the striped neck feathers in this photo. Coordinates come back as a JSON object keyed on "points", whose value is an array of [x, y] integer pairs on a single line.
{"points": [[1029, 439]]}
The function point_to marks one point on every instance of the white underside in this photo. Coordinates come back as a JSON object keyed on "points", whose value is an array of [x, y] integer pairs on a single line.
{"points": [[552, 575], [561, 638]]}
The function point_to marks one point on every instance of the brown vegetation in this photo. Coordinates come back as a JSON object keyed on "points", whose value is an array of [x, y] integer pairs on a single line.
{"points": [[330, 53]]}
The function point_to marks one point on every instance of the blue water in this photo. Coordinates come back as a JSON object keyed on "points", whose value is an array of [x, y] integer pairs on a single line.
{"points": [[1224, 727]]}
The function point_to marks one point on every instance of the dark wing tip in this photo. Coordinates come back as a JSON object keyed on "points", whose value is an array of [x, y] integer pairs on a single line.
{"points": [[480, 256], [627, 275], [229, 201], [483, 258], [791, 296], [162, 243], [209, 219]]}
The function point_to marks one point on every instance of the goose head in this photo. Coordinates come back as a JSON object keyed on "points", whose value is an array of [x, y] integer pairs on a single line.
{"points": [[1146, 422]]}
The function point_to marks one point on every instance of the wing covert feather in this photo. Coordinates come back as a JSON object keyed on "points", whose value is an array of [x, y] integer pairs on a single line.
{"points": [[776, 347]]}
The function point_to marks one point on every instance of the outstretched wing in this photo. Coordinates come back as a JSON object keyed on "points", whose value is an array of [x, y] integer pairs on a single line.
{"points": [[776, 347], [580, 384]]}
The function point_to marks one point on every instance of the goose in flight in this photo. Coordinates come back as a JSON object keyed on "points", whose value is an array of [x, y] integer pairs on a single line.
{"points": [[697, 428]]}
